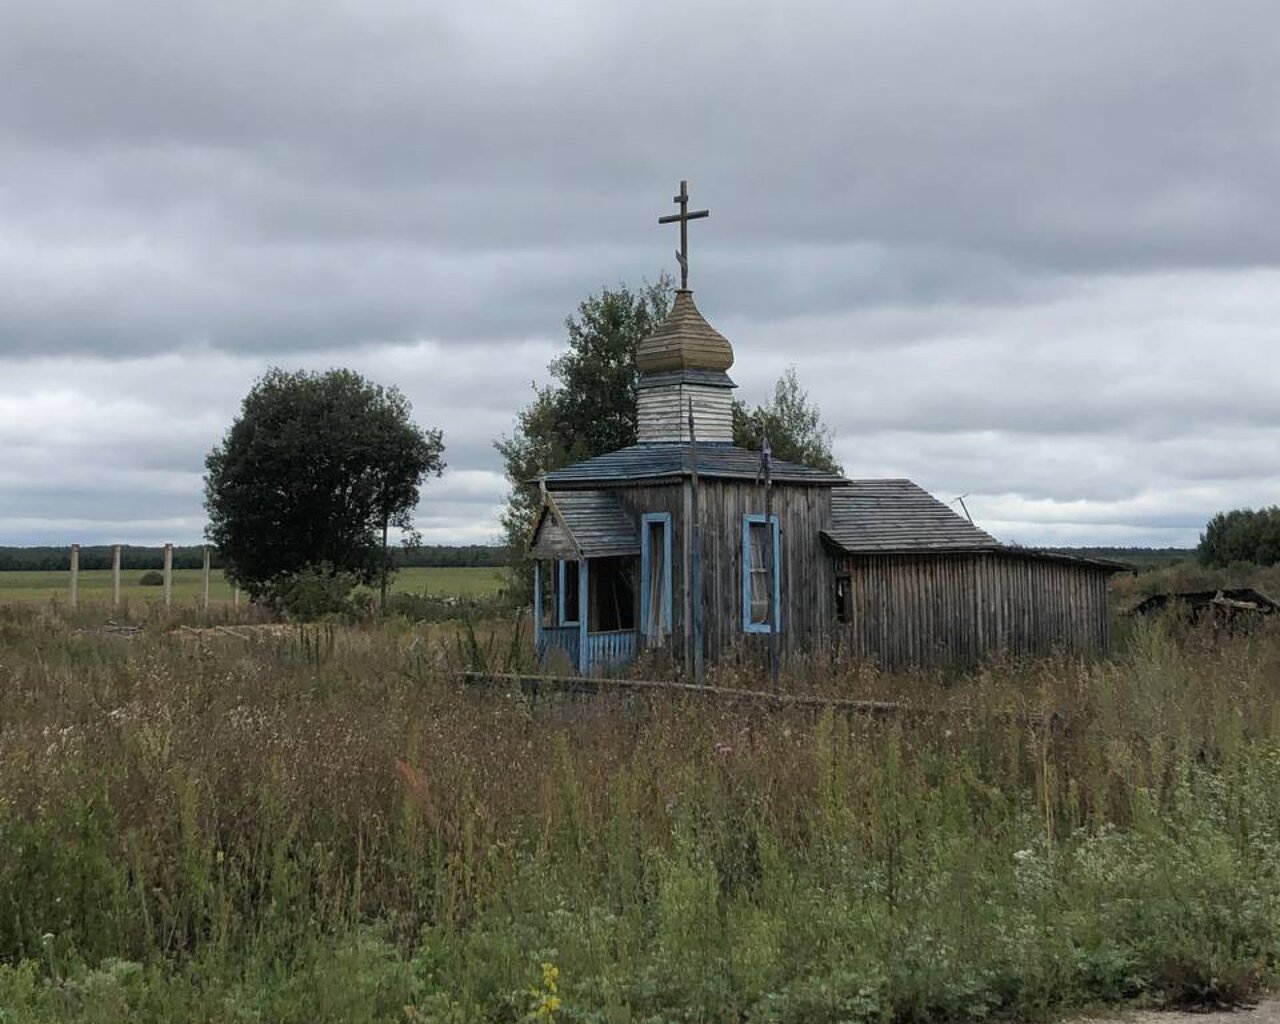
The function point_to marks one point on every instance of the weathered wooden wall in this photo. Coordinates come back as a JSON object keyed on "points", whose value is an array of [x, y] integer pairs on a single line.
{"points": [[806, 605], [928, 609], [806, 582], [662, 413]]}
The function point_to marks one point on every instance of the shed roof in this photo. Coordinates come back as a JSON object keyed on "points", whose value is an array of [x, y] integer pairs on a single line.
{"points": [[884, 516], [595, 522], [898, 517]]}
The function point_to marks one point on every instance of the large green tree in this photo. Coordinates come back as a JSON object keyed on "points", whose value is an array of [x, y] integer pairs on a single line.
{"points": [[312, 474], [1242, 535], [792, 423], [589, 406]]}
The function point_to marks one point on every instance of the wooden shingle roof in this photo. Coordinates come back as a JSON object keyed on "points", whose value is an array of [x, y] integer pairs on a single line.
{"points": [[661, 461], [684, 341], [886, 516], [591, 523]]}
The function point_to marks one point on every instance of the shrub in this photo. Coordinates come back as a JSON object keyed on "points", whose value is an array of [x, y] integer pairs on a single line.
{"points": [[313, 593], [152, 579]]}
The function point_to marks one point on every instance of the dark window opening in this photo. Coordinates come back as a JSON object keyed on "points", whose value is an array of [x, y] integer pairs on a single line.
{"points": [[568, 593], [613, 594], [844, 600]]}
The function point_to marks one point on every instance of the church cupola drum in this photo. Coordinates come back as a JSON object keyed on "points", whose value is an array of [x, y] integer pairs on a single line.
{"points": [[682, 364]]}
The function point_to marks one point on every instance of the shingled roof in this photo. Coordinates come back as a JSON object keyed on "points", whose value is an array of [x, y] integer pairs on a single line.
{"points": [[595, 523], [684, 341], [887, 516], [662, 461]]}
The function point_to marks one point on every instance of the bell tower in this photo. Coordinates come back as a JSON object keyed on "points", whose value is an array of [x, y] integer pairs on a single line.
{"points": [[684, 362]]}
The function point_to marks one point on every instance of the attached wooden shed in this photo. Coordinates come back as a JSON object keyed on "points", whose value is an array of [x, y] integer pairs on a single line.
{"points": [[917, 584]]}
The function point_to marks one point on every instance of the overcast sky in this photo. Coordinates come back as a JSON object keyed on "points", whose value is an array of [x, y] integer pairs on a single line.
{"points": [[1028, 252]]}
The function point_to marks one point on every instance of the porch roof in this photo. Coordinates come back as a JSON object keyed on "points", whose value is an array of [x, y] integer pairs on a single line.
{"points": [[584, 524]]}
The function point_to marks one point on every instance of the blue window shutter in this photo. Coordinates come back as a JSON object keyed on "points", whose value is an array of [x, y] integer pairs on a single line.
{"points": [[747, 625]]}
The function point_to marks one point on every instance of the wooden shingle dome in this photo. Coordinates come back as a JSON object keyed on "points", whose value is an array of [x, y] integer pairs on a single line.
{"points": [[684, 341]]}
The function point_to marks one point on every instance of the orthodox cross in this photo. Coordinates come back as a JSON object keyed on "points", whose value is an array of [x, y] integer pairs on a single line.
{"points": [[682, 218]]}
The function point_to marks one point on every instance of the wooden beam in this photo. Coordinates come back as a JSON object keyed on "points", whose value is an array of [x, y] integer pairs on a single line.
{"points": [[537, 685]]}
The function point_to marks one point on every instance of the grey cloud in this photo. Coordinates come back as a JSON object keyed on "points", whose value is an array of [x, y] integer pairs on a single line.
{"points": [[1020, 250]]}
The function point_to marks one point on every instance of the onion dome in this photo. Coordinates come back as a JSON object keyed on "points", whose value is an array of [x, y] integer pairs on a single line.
{"points": [[684, 341]]}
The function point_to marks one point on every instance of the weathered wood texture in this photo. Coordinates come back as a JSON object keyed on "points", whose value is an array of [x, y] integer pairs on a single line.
{"points": [[663, 412], [910, 610], [807, 581]]}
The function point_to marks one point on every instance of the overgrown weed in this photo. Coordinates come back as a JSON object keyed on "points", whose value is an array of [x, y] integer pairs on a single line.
{"points": [[326, 826]]}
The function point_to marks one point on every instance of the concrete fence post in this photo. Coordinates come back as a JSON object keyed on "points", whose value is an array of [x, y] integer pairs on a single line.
{"points": [[115, 577], [75, 576], [205, 597], [168, 576]]}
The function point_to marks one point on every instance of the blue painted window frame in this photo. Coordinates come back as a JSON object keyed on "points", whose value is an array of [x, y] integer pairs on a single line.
{"points": [[646, 575], [562, 571], [747, 625]]}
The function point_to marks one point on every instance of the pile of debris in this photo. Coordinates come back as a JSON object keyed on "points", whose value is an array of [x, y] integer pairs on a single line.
{"points": [[1224, 605]]}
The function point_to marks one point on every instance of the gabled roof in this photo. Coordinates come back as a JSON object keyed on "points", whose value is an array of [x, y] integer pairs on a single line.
{"points": [[887, 516], [592, 523], [662, 461]]}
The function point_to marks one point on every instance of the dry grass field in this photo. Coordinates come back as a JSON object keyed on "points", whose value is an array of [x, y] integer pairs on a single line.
{"points": [[320, 824]]}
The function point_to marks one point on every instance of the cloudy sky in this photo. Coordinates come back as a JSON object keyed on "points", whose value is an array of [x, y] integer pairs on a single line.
{"points": [[1024, 251]]}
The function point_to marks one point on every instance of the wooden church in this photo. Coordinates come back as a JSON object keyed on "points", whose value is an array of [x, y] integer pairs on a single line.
{"points": [[686, 543]]}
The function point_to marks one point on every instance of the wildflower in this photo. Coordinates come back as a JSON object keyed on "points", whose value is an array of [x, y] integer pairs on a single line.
{"points": [[546, 997]]}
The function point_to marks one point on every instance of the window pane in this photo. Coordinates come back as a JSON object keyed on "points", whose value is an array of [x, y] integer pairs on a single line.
{"points": [[655, 620], [759, 575]]}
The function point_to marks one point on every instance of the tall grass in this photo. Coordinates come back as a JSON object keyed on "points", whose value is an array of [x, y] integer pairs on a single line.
{"points": [[325, 827]]}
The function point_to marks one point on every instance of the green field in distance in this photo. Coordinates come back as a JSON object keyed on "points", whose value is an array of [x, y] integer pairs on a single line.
{"points": [[95, 585]]}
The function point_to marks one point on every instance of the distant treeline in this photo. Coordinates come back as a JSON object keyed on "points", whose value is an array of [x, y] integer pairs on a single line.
{"points": [[192, 557]]}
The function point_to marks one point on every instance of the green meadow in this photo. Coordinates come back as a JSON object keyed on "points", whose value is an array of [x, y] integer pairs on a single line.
{"points": [[96, 587]]}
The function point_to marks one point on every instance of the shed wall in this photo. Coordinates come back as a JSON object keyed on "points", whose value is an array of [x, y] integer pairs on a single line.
{"points": [[928, 609]]}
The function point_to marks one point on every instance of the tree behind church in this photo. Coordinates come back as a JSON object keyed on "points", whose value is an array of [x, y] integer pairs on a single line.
{"points": [[310, 476], [589, 407], [793, 424]]}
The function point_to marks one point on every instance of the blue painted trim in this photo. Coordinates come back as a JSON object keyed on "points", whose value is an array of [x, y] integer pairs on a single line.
{"points": [[645, 568], [584, 608], [537, 604], [747, 625], [563, 565]]}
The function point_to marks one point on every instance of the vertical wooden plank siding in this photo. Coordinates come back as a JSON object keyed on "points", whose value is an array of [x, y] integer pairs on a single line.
{"points": [[926, 609]]}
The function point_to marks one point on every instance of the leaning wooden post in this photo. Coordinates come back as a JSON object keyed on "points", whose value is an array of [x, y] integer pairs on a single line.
{"points": [[584, 610], [168, 576], [75, 577], [537, 607], [695, 529], [771, 562], [115, 577], [205, 596]]}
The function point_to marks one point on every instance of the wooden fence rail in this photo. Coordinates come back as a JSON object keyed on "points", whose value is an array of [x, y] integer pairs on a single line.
{"points": [[535, 686]]}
